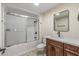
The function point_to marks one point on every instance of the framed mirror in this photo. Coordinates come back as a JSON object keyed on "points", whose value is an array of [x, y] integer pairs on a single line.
{"points": [[61, 21]]}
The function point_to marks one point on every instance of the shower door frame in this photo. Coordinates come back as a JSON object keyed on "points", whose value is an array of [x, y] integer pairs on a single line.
{"points": [[26, 32]]}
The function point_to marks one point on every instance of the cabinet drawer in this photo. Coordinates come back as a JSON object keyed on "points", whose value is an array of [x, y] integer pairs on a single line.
{"points": [[54, 43], [70, 47], [78, 49], [70, 53]]}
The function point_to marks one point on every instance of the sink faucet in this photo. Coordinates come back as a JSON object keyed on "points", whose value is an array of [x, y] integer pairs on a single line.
{"points": [[58, 33]]}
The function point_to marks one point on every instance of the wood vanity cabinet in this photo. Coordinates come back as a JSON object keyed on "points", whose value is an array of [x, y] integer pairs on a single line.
{"points": [[56, 48]]}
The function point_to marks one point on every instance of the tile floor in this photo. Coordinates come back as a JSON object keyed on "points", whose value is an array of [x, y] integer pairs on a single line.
{"points": [[35, 52]]}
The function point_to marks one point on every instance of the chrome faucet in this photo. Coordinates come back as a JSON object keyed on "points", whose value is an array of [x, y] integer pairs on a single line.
{"points": [[58, 33]]}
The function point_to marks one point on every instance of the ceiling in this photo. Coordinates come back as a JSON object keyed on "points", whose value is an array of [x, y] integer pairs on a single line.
{"points": [[30, 7]]}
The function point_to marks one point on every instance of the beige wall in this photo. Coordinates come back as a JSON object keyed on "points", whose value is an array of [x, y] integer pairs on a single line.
{"points": [[47, 21]]}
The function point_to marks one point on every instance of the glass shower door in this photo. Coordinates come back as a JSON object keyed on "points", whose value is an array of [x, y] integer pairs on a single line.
{"points": [[31, 29], [20, 30], [15, 32]]}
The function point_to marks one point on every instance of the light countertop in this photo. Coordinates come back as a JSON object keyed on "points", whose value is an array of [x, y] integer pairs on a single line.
{"points": [[71, 41]]}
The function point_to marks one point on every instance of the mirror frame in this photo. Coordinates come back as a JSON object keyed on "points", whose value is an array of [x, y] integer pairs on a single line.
{"points": [[68, 21]]}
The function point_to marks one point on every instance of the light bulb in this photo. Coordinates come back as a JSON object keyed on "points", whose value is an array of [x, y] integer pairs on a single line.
{"points": [[36, 4], [57, 13]]}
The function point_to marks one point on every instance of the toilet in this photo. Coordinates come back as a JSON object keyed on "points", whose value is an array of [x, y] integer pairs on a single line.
{"points": [[41, 49], [41, 45]]}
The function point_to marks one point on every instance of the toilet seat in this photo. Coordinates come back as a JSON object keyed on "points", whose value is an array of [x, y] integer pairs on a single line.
{"points": [[42, 45]]}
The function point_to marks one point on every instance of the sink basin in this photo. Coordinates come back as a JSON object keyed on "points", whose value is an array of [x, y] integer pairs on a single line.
{"points": [[61, 37]]}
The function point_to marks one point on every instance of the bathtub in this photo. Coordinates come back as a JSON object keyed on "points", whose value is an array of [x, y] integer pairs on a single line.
{"points": [[20, 49]]}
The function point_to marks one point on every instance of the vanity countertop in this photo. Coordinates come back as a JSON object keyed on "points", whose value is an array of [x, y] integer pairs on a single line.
{"points": [[71, 41]]}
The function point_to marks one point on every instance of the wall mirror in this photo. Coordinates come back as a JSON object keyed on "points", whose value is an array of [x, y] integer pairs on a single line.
{"points": [[61, 21]]}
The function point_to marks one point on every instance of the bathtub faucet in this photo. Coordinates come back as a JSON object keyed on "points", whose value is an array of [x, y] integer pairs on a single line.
{"points": [[2, 50]]}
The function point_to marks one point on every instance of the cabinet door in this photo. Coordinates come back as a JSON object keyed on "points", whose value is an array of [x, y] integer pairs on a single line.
{"points": [[54, 51], [58, 51], [50, 51]]}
